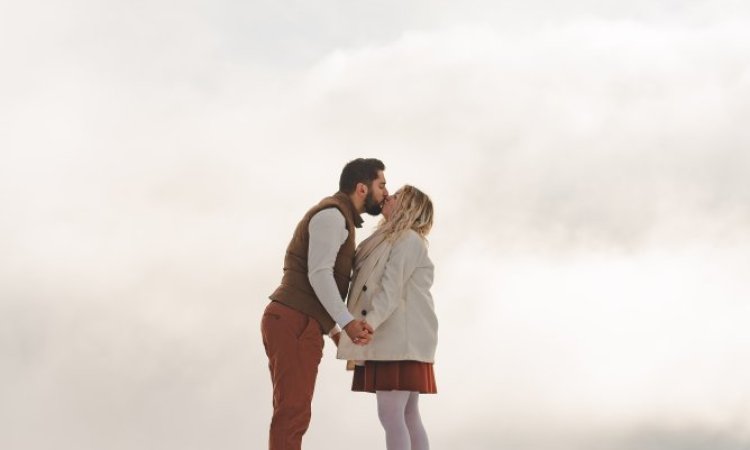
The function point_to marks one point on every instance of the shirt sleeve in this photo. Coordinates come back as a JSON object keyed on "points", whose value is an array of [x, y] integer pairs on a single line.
{"points": [[327, 234]]}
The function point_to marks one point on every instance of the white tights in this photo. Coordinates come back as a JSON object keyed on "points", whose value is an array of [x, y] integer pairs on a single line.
{"points": [[399, 413]]}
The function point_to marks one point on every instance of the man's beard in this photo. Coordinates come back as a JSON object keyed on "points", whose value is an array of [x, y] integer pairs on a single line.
{"points": [[371, 207]]}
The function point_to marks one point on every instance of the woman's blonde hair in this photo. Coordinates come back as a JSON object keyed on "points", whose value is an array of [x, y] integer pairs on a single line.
{"points": [[413, 211]]}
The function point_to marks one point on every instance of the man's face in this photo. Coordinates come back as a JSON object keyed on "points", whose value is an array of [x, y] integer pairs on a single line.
{"points": [[376, 195]]}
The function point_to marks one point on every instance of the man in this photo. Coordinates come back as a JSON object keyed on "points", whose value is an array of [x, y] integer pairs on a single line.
{"points": [[310, 300]]}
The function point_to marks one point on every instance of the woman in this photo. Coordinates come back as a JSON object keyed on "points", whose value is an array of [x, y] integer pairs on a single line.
{"points": [[391, 291]]}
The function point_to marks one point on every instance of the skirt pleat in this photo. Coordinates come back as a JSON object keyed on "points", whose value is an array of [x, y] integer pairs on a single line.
{"points": [[414, 376]]}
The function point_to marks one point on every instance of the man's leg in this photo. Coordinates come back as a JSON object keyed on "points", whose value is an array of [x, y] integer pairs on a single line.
{"points": [[294, 346]]}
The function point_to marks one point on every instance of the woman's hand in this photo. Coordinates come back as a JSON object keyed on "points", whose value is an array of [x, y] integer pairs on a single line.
{"points": [[359, 331]]}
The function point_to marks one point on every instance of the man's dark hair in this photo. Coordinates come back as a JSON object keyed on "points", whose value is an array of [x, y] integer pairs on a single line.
{"points": [[360, 170]]}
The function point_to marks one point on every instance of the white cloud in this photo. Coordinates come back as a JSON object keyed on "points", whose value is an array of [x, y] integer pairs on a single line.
{"points": [[592, 133], [587, 162]]}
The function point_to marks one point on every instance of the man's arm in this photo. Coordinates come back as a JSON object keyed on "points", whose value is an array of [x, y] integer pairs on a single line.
{"points": [[327, 234]]}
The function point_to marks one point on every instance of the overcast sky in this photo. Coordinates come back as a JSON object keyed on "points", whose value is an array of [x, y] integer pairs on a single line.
{"points": [[588, 161]]}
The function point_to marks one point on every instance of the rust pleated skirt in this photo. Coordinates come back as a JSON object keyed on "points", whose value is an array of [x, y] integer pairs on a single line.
{"points": [[411, 376]]}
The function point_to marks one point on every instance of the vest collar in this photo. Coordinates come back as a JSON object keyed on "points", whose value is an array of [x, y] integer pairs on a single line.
{"points": [[356, 218]]}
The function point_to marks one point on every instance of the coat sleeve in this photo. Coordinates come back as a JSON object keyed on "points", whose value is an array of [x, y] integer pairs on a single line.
{"points": [[398, 269]]}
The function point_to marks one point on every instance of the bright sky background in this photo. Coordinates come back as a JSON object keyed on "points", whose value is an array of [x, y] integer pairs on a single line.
{"points": [[589, 163]]}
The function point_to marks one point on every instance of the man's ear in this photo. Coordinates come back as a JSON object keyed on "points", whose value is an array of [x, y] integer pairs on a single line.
{"points": [[362, 189]]}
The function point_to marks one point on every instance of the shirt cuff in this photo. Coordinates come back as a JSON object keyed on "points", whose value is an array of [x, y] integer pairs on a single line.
{"points": [[344, 318], [334, 331]]}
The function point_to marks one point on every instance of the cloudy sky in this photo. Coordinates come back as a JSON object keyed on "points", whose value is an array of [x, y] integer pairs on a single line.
{"points": [[588, 161]]}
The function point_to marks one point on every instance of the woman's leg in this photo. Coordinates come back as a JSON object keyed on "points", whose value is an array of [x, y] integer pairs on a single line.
{"points": [[414, 423], [391, 411]]}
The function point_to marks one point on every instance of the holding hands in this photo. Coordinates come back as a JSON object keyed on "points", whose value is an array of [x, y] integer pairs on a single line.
{"points": [[359, 331]]}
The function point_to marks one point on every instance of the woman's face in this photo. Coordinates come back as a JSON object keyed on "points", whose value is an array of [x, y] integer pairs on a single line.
{"points": [[390, 204]]}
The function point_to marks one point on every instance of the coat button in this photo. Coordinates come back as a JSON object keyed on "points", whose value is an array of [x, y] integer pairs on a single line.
{"points": [[364, 312], [364, 288]]}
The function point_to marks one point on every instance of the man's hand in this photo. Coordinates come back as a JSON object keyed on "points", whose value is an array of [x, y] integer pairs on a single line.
{"points": [[335, 338], [359, 331]]}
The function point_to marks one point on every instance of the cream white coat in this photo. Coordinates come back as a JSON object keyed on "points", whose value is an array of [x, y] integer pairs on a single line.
{"points": [[391, 291]]}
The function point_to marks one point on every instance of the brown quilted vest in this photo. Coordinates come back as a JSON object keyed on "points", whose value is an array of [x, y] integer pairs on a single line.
{"points": [[295, 290]]}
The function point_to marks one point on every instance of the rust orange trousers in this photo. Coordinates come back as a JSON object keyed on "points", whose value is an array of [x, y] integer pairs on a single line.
{"points": [[294, 346]]}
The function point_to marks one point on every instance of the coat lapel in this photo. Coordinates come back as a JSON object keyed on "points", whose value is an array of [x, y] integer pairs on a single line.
{"points": [[373, 264]]}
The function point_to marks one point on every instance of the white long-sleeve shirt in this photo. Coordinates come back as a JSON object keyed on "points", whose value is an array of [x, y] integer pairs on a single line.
{"points": [[328, 233]]}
